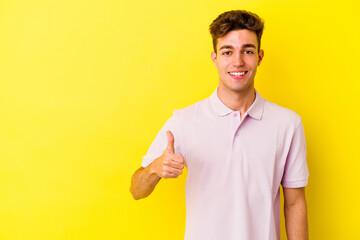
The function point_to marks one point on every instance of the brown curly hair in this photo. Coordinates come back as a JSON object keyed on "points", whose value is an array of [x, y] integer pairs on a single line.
{"points": [[235, 20]]}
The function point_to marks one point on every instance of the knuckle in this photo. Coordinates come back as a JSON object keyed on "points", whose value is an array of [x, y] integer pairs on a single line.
{"points": [[168, 156]]}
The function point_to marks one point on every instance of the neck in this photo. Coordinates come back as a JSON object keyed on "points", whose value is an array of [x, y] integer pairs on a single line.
{"points": [[237, 101]]}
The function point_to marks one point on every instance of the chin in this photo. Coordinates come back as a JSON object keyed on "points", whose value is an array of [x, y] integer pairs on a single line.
{"points": [[236, 87], [240, 88]]}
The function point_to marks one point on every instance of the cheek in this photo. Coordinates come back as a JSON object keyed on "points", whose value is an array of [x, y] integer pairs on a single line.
{"points": [[218, 66], [222, 65], [252, 62], [222, 69]]}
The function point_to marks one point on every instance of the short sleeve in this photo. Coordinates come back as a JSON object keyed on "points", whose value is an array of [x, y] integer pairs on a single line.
{"points": [[296, 171], [159, 144]]}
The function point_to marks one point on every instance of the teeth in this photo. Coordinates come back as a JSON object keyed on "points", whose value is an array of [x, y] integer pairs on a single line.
{"points": [[237, 73]]}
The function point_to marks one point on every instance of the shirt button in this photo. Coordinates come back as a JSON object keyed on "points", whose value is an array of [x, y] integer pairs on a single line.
{"points": [[235, 114]]}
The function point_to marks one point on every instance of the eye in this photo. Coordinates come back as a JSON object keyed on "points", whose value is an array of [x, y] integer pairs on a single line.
{"points": [[248, 52], [226, 53]]}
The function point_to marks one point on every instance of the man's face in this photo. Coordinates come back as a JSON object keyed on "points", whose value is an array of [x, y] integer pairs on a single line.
{"points": [[236, 60]]}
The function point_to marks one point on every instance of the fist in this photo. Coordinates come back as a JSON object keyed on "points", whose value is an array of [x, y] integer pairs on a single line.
{"points": [[169, 165]]}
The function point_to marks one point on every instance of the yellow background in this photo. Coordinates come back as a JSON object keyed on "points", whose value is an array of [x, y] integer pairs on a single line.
{"points": [[86, 85]]}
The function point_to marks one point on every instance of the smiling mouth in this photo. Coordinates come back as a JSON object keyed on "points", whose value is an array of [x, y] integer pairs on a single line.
{"points": [[237, 74]]}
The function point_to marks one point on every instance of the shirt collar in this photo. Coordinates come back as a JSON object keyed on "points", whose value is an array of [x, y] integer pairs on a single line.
{"points": [[255, 110]]}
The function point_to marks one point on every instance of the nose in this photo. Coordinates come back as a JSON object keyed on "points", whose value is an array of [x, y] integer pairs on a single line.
{"points": [[238, 60]]}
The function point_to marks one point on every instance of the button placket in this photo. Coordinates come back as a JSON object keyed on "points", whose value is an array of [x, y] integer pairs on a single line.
{"points": [[235, 126], [235, 123]]}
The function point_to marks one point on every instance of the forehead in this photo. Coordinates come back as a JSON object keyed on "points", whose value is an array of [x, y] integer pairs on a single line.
{"points": [[238, 38]]}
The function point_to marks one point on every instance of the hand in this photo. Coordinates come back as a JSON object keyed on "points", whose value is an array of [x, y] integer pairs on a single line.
{"points": [[169, 165]]}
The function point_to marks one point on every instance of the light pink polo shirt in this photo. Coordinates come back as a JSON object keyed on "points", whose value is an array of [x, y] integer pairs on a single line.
{"points": [[235, 167]]}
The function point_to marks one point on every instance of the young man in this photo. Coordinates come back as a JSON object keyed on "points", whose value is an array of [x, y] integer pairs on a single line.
{"points": [[238, 148]]}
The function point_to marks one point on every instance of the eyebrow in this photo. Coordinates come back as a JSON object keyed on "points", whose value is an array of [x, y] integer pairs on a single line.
{"points": [[248, 45], [226, 46]]}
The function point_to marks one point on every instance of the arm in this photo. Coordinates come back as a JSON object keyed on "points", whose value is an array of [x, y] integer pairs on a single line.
{"points": [[168, 165], [295, 211], [143, 182]]}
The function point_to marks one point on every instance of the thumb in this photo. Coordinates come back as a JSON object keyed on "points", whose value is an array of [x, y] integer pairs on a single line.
{"points": [[170, 145]]}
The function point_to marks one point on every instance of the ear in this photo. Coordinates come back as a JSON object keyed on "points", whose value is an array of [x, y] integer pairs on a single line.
{"points": [[261, 56], [213, 58]]}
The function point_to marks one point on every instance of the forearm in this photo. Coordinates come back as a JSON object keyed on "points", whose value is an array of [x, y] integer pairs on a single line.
{"points": [[143, 182], [296, 220], [168, 165]]}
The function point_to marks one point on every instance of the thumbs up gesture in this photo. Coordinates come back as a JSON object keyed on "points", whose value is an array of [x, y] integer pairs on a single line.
{"points": [[170, 146], [169, 165]]}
